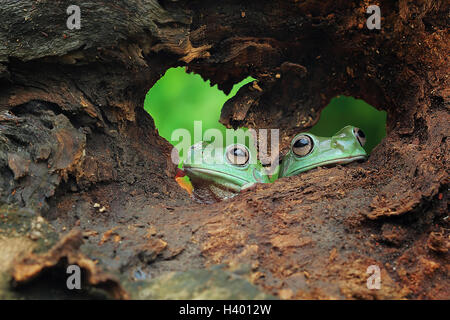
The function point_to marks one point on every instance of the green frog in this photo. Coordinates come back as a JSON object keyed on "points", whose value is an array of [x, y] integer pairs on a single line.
{"points": [[221, 173], [308, 151]]}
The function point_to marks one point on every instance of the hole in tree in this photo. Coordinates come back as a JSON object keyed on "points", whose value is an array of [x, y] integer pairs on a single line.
{"points": [[179, 98], [343, 111]]}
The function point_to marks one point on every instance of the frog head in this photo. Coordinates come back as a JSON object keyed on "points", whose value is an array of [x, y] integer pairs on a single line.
{"points": [[232, 168], [308, 151]]}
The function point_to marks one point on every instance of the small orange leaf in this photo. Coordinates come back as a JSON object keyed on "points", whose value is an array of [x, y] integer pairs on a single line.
{"points": [[184, 183]]}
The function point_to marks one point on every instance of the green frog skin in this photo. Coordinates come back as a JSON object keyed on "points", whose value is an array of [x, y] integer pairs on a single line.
{"points": [[224, 175], [308, 151]]}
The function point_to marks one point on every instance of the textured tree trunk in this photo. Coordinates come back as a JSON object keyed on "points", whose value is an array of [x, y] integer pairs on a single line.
{"points": [[73, 134]]}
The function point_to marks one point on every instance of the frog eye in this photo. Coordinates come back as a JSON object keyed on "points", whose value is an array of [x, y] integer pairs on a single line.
{"points": [[237, 155], [199, 145], [302, 145], [360, 135]]}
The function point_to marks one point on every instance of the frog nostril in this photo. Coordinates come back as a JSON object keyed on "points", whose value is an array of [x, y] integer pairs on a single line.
{"points": [[340, 146]]}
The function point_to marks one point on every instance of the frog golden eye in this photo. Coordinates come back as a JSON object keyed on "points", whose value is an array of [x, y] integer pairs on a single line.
{"points": [[197, 146], [302, 145], [360, 135], [237, 155]]}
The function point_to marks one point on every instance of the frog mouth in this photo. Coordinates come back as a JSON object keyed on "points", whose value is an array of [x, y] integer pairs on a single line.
{"points": [[343, 160], [235, 182]]}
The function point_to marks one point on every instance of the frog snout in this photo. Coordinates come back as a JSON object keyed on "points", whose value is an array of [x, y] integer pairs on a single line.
{"points": [[337, 144]]}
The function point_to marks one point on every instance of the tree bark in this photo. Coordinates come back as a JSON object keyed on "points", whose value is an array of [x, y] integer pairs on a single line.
{"points": [[73, 133]]}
